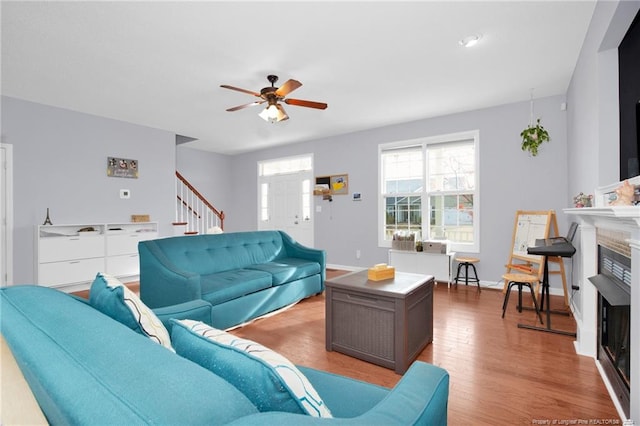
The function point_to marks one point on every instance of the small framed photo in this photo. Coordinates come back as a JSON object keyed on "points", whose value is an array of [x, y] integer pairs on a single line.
{"points": [[122, 167], [357, 196]]}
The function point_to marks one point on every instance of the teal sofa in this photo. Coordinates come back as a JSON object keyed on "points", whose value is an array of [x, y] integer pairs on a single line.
{"points": [[84, 367], [243, 275]]}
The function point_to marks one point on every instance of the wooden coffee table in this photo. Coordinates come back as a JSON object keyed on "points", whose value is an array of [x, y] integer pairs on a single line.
{"points": [[385, 322]]}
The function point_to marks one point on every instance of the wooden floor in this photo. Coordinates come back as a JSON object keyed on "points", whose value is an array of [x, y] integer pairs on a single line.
{"points": [[500, 374]]}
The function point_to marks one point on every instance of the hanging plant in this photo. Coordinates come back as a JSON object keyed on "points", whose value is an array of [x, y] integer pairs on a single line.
{"points": [[533, 136]]}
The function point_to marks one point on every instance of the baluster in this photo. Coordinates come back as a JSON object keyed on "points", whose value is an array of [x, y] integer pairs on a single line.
{"points": [[181, 200], [192, 216]]}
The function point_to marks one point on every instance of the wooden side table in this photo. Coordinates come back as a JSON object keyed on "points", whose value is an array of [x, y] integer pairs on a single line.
{"points": [[387, 322]]}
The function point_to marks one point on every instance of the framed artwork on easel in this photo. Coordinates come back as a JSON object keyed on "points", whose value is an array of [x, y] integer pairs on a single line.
{"points": [[530, 226]]}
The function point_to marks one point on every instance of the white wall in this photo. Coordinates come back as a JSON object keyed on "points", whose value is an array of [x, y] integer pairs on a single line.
{"points": [[60, 162], [510, 180]]}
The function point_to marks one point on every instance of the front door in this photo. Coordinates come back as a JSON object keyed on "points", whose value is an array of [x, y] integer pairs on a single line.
{"points": [[286, 205]]}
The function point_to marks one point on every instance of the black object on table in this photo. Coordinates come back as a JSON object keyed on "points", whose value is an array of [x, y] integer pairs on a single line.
{"points": [[555, 247]]}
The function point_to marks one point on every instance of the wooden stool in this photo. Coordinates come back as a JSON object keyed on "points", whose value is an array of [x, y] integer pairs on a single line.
{"points": [[520, 280], [466, 262]]}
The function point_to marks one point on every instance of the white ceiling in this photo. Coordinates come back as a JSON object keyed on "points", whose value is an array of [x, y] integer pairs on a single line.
{"points": [[161, 64]]}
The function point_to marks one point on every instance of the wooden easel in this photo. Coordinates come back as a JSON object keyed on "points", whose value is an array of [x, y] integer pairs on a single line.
{"points": [[529, 226]]}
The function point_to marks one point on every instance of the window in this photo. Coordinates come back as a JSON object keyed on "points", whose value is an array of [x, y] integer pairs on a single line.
{"points": [[264, 202], [283, 166], [434, 178]]}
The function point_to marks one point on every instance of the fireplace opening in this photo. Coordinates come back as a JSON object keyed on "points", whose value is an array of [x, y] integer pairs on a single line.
{"points": [[613, 283]]}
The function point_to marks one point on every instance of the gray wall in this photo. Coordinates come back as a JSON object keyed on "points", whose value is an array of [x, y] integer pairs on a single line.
{"points": [[593, 119], [593, 133], [60, 162], [510, 180], [208, 172]]}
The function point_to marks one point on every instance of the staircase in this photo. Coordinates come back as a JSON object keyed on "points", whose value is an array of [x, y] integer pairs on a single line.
{"points": [[194, 214]]}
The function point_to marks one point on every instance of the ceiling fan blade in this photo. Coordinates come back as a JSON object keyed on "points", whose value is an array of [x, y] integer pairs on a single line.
{"points": [[288, 87], [250, 92], [245, 106], [303, 103]]}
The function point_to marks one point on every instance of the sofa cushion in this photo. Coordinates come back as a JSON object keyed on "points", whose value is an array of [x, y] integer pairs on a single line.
{"points": [[207, 253], [267, 378], [288, 269], [224, 286], [86, 368], [112, 298]]}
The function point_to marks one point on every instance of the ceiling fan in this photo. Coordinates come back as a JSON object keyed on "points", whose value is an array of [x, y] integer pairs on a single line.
{"points": [[274, 112]]}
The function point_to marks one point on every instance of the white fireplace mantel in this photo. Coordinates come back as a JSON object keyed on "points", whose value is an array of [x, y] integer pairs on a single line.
{"points": [[619, 218]]}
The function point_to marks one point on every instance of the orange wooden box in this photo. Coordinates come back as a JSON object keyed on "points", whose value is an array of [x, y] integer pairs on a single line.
{"points": [[379, 274]]}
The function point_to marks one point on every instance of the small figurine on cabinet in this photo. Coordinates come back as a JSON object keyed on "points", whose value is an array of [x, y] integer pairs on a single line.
{"points": [[47, 220]]}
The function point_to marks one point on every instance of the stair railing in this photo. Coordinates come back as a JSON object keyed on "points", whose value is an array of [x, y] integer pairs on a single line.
{"points": [[193, 210]]}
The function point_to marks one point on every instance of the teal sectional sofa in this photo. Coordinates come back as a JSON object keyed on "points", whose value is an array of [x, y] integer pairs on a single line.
{"points": [[86, 367], [243, 275]]}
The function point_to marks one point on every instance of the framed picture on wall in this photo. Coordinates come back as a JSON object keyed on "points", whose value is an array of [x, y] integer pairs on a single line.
{"points": [[122, 167], [339, 184]]}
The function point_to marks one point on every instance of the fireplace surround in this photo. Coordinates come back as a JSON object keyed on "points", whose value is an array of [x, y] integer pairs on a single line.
{"points": [[608, 222], [613, 283]]}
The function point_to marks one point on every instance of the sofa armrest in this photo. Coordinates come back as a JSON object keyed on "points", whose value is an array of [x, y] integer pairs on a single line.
{"points": [[161, 282], [19, 405], [419, 398], [197, 310], [295, 249]]}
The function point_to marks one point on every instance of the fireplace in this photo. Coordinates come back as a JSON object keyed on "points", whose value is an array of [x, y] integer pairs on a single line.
{"points": [[613, 283], [599, 314]]}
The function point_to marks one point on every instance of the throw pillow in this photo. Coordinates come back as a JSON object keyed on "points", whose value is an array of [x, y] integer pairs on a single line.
{"points": [[112, 298], [267, 378]]}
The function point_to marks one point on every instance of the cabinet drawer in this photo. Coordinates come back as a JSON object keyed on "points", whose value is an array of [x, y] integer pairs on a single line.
{"points": [[75, 271], [127, 243], [56, 249], [355, 298], [122, 244], [124, 265]]}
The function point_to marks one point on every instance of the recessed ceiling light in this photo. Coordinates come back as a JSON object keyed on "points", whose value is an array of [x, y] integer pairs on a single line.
{"points": [[471, 40]]}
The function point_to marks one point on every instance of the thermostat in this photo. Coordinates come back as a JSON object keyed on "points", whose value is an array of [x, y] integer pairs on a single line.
{"points": [[125, 193]]}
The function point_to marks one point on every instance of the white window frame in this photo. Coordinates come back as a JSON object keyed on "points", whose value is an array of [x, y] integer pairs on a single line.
{"points": [[424, 143]]}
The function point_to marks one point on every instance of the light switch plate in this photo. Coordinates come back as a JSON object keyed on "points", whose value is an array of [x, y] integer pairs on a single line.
{"points": [[125, 193]]}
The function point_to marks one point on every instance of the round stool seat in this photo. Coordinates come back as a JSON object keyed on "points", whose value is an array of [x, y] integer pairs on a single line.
{"points": [[521, 278], [467, 259], [463, 267]]}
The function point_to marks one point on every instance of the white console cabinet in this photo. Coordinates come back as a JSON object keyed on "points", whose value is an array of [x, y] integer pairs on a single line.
{"points": [[436, 264], [72, 255]]}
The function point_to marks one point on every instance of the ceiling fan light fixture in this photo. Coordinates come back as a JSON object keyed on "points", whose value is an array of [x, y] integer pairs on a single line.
{"points": [[470, 41], [281, 114], [273, 113]]}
